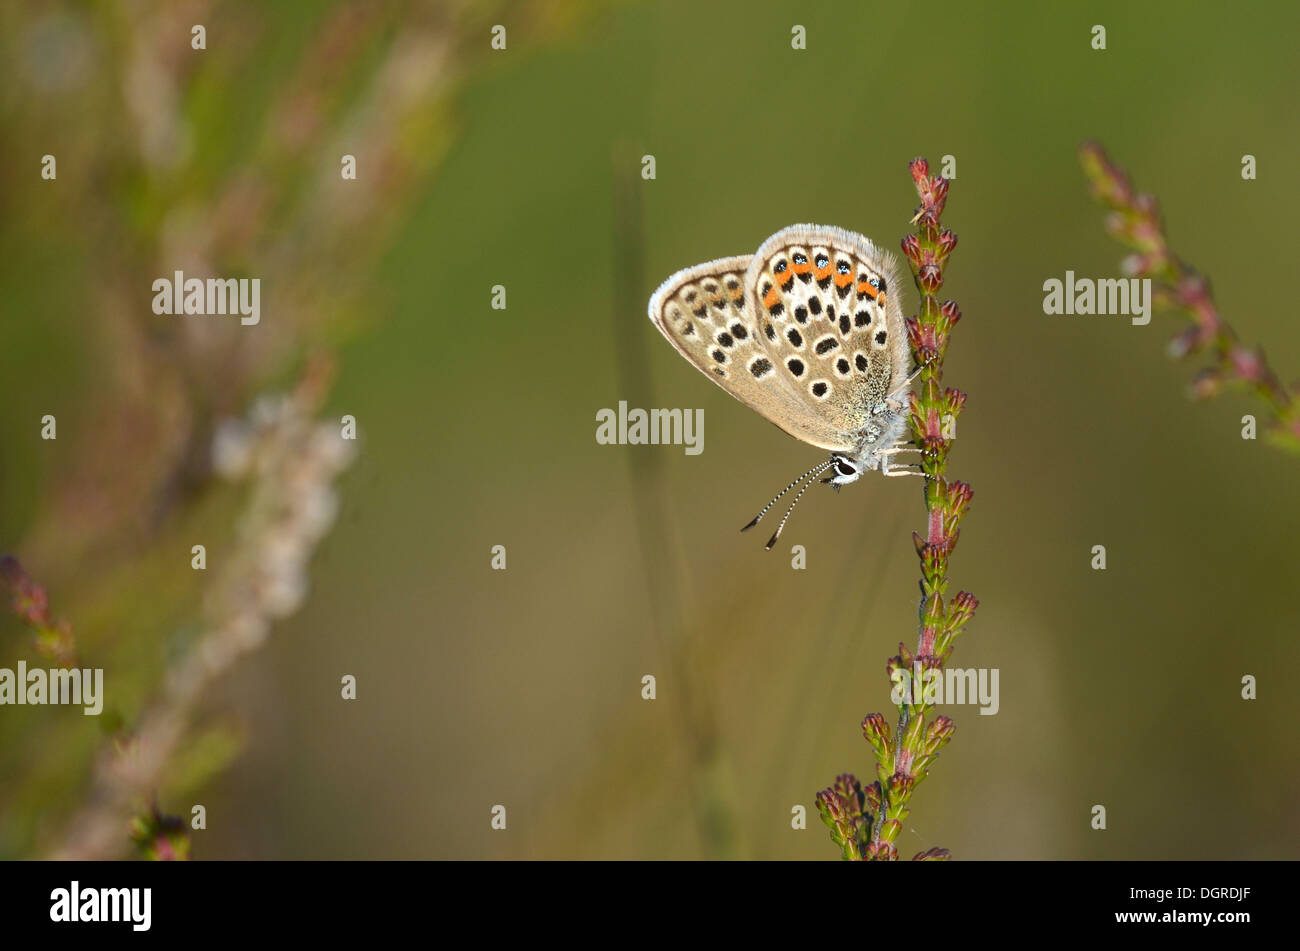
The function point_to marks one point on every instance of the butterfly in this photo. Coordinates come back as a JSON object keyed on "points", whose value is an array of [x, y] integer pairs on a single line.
{"points": [[809, 332]]}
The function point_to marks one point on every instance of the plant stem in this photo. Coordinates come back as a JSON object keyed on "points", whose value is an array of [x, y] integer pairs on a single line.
{"points": [[865, 820]]}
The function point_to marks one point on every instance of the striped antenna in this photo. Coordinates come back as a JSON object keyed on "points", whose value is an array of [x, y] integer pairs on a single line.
{"points": [[814, 471], [798, 496]]}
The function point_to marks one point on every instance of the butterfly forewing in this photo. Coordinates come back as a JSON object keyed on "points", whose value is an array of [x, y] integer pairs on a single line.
{"points": [[708, 314]]}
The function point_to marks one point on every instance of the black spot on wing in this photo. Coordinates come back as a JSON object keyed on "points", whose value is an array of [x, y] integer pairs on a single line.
{"points": [[826, 345]]}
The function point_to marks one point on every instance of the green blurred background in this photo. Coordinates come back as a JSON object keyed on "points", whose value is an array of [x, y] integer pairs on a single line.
{"points": [[521, 167]]}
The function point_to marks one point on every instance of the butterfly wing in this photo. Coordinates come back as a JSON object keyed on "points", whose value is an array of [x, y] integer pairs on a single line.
{"points": [[708, 313], [831, 296]]}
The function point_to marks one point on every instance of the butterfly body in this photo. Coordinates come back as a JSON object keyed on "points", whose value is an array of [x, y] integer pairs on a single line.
{"points": [[808, 331]]}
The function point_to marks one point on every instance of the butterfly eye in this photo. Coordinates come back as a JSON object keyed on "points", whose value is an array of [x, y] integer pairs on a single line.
{"points": [[842, 267], [843, 468]]}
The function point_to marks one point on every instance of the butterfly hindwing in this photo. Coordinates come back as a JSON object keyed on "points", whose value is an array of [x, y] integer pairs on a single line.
{"points": [[829, 296]]}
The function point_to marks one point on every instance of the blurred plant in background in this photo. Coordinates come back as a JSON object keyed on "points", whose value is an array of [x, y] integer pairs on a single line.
{"points": [[31, 603], [1134, 221], [177, 161], [292, 463]]}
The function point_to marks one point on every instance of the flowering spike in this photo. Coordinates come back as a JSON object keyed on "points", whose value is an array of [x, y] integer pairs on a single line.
{"points": [[903, 754], [1133, 218]]}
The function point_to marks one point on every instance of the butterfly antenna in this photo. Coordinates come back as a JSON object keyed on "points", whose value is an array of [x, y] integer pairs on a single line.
{"points": [[798, 495], [814, 471]]}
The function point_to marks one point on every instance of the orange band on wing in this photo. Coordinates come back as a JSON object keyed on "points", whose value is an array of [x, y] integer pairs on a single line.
{"points": [[865, 287], [843, 280], [772, 298], [823, 273], [802, 268]]}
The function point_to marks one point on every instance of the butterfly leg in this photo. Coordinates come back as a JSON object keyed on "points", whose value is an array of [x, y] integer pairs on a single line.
{"points": [[890, 402], [884, 455], [901, 468], [911, 378]]}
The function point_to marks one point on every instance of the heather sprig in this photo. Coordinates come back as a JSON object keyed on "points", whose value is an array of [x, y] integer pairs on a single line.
{"points": [[292, 461], [1134, 220], [31, 603], [158, 837], [865, 820]]}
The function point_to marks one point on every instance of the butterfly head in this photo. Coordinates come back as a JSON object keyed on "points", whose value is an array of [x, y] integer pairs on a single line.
{"points": [[843, 470]]}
